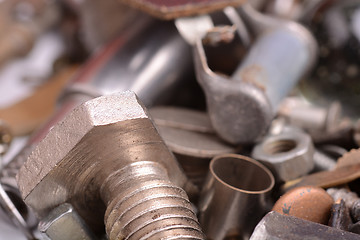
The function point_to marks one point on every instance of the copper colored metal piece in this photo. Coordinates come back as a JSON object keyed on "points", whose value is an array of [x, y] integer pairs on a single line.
{"points": [[28, 114], [350, 158], [347, 170], [235, 196], [107, 154], [180, 8], [325, 179], [309, 203]]}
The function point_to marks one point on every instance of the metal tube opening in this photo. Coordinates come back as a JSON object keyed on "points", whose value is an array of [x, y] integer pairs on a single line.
{"points": [[242, 173]]}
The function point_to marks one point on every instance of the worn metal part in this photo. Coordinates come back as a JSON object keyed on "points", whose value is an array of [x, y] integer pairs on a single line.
{"points": [[190, 136], [326, 179], [309, 117], [340, 216], [180, 8], [321, 160], [308, 203], [109, 155], [241, 107], [350, 203], [63, 223], [280, 227], [288, 155], [351, 200], [235, 196]]}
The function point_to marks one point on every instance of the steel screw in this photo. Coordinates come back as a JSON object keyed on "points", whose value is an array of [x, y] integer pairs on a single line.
{"points": [[309, 117]]}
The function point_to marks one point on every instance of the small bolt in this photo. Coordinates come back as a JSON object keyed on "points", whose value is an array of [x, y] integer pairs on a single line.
{"points": [[63, 223], [310, 117]]}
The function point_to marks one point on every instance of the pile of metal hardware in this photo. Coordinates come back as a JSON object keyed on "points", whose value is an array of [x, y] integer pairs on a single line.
{"points": [[184, 119]]}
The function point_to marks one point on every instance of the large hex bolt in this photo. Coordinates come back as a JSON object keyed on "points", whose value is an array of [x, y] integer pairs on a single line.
{"points": [[107, 153]]}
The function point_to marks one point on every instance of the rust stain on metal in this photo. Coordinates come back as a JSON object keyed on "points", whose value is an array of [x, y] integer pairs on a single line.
{"points": [[166, 9], [286, 209], [250, 75]]}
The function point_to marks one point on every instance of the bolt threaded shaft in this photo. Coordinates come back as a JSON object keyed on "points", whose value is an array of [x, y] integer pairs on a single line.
{"points": [[142, 203]]}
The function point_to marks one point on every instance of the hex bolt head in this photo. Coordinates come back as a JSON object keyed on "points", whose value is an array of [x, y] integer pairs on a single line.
{"points": [[107, 154], [289, 154], [63, 223]]}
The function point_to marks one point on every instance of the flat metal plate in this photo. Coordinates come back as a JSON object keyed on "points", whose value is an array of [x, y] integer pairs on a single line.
{"points": [[170, 9]]}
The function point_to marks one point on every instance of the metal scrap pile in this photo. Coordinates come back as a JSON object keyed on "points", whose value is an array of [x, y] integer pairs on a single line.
{"points": [[149, 119]]}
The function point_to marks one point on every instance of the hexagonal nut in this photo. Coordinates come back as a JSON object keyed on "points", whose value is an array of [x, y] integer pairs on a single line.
{"points": [[96, 138], [64, 223], [288, 155]]}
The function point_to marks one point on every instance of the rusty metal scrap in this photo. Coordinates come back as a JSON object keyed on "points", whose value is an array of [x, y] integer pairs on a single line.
{"points": [[115, 124]]}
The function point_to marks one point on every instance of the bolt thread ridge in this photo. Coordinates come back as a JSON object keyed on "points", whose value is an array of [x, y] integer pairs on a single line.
{"points": [[147, 205]]}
